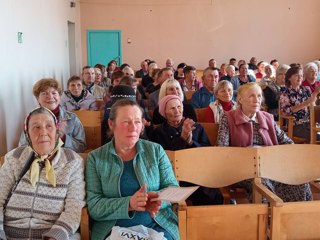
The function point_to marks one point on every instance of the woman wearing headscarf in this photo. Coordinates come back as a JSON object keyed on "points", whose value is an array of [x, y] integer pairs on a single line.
{"points": [[42, 190], [178, 133]]}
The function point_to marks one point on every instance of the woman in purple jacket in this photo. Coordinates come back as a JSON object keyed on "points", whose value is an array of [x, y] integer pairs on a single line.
{"points": [[247, 126]]}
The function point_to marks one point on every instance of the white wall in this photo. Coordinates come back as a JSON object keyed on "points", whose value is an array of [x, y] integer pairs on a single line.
{"points": [[43, 53], [193, 31]]}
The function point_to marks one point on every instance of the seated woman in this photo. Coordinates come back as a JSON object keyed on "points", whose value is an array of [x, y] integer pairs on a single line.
{"points": [[241, 79], [272, 91], [76, 97], [124, 175], [190, 83], [172, 87], [43, 189], [311, 76], [295, 100], [269, 76], [247, 126], [178, 133], [223, 92], [47, 92]]}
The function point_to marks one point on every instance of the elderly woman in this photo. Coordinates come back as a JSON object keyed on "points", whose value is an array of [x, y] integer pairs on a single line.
{"points": [[269, 76], [42, 190], [311, 76], [295, 100], [172, 87], [248, 126], [242, 78], [76, 97], [272, 91], [223, 92], [47, 92], [124, 175], [178, 133], [190, 83]]}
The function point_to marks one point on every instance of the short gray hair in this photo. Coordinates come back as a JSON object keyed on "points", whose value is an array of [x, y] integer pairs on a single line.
{"points": [[220, 85]]}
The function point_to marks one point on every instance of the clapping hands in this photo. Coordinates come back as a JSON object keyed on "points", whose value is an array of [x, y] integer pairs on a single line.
{"points": [[141, 201], [187, 128]]}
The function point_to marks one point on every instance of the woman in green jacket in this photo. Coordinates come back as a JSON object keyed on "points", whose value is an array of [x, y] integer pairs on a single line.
{"points": [[124, 175]]}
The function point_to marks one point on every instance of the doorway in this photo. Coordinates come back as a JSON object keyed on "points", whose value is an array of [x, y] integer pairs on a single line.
{"points": [[104, 46]]}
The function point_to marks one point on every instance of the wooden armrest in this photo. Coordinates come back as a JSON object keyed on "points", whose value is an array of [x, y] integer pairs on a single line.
{"points": [[84, 225], [272, 198], [316, 184], [226, 194]]}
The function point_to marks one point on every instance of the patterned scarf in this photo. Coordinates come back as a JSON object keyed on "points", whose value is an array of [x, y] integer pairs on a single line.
{"points": [[42, 160]]}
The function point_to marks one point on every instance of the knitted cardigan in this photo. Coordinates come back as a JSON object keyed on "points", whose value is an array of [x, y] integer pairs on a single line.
{"points": [[43, 210], [103, 171]]}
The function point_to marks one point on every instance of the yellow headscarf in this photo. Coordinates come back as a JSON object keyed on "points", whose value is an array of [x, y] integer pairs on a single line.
{"points": [[40, 159]]}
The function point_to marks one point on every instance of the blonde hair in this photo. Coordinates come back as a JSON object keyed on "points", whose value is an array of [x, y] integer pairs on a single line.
{"points": [[170, 83], [244, 88]]}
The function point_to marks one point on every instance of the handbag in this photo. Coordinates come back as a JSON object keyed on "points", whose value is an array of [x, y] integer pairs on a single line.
{"points": [[138, 232]]}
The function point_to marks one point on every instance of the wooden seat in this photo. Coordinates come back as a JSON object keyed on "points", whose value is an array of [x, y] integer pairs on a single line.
{"points": [[200, 114], [218, 167], [314, 123], [211, 130], [290, 164], [286, 124]]}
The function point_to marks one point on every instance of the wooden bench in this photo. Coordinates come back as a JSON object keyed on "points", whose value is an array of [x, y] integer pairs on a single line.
{"points": [[91, 121], [218, 167], [290, 164]]}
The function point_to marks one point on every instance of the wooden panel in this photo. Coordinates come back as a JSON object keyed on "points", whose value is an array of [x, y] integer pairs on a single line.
{"points": [[245, 221], [297, 220], [1, 160], [215, 166], [189, 95], [93, 136], [211, 130], [300, 163], [89, 118], [200, 114], [314, 123]]}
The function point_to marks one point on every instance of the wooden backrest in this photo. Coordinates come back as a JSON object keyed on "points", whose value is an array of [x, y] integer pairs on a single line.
{"points": [[171, 155], [89, 118], [211, 130], [215, 166], [188, 95], [199, 74], [93, 136], [1, 160], [91, 121], [200, 114], [314, 123], [219, 167], [290, 164]]}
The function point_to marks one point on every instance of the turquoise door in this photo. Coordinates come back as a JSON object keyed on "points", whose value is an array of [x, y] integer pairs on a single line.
{"points": [[104, 46]]}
